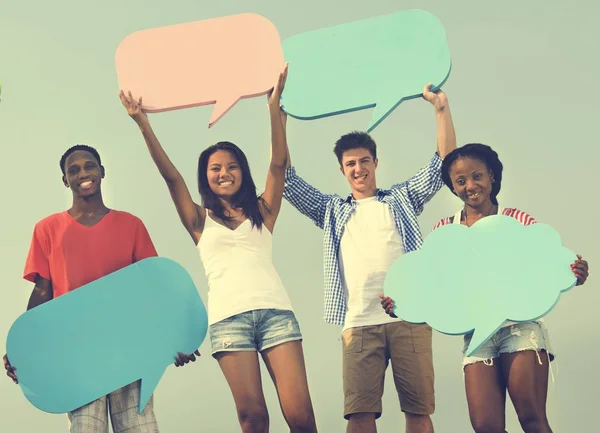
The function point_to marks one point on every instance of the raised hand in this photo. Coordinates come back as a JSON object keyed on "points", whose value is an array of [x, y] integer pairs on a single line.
{"points": [[275, 93], [133, 107], [438, 98]]}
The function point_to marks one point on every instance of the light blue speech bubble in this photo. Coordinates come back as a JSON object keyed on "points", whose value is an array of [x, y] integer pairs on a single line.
{"points": [[377, 62], [475, 279], [126, 326]]}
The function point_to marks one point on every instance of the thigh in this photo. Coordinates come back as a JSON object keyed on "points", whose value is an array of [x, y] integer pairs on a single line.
{"points": [[364, 362], [242, 372], [526, 375], [123, 405], [233, 334], [486, 395], [91, 418], [411, 354], [526, 354], [276, 327], [285, 363]]}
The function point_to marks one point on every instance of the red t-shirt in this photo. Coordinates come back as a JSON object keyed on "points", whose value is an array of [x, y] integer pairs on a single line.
{"points": [[71, 255]]}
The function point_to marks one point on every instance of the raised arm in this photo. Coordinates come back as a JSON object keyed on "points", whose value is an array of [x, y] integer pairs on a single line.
{"points": [[191, 215], [273, 194], [446, 136], [307, 199], [428, 181]]}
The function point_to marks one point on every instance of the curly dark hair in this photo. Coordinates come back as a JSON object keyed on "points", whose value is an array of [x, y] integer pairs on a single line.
{"points": [[482, 153]]}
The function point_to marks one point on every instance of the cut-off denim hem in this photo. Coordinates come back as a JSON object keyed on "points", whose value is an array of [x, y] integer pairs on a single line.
{"points": [[255, 330], [519, 337]]}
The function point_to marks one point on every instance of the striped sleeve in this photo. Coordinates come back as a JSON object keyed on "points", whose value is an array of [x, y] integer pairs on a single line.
{"points": [[523, 217], [442, 222]]}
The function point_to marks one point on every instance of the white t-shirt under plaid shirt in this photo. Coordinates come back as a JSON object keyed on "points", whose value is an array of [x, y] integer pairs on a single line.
{"points": [[331, 212]]}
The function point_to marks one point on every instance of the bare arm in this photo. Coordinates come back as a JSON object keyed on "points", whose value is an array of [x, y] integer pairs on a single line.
{"points": [[42, 292], [446, 136], [273, 193], [191, 215]]}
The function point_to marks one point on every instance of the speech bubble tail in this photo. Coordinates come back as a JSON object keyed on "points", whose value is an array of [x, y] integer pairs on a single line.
{"points": [[222, 106], [147, 387], [382, 110], [481, 336]]}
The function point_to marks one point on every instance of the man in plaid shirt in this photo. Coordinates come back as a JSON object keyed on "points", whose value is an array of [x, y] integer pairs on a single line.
{"points": [[364, 233]]}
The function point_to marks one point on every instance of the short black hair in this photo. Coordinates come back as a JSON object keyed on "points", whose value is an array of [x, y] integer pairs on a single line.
{"points": [[75, 148], [355, 140], [482, 153]]}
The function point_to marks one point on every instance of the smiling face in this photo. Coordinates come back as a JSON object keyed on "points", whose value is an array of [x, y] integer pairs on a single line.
{"points": [[472, 181], [224, 173], [358, 166], [83, 174]]}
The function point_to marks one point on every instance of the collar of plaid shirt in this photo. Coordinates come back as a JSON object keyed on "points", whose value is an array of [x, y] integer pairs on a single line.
{"points": [[331, 212]]}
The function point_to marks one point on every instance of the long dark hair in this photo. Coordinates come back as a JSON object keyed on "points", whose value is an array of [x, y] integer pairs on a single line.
{"points": [[245, 198], [482, 153]]}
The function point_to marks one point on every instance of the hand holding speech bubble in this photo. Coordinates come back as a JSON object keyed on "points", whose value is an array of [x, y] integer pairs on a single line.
{"points": [[126, 326], [215, 61], [476, 278], [377, 62]]}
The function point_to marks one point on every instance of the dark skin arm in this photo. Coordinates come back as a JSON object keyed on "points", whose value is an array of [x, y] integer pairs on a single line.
{"points": [[42, 292]]}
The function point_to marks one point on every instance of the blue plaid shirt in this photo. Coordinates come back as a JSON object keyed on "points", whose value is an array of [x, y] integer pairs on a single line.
{"points": [[331, 212]]}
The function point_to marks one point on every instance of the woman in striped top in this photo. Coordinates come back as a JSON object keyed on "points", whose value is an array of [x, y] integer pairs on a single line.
{"points": [[511, 360]]}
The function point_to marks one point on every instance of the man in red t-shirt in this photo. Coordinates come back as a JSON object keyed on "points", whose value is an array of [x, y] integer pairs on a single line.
{"points": [[75, 247]]}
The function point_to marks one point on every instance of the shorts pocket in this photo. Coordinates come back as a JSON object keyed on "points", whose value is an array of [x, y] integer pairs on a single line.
{"points": [[421, 338], [352, 340]]}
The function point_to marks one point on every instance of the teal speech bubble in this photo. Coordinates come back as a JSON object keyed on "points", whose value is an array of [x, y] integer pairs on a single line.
{"points": [[377, 62], [126, 326], [475, 279]]}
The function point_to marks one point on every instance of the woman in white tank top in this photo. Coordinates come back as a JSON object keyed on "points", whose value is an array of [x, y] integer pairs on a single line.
{"points": [[248, 306]]}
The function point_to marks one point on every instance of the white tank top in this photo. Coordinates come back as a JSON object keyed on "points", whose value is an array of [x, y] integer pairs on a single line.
{"points": [[239, 268]]}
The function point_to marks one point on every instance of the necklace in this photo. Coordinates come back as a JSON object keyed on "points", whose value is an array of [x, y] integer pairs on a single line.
{"points": [[464, 214]]}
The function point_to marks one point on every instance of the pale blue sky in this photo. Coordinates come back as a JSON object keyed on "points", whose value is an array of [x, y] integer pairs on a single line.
{"points": [[522, 82]]}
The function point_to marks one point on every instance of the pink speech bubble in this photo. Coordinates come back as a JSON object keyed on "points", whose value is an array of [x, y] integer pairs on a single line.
{"points": [[217, 61]]}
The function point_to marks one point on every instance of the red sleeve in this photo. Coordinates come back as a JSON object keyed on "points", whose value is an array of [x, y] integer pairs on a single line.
{"points": [[37, 259], [143, 247], [523, 217], [440, 223]]}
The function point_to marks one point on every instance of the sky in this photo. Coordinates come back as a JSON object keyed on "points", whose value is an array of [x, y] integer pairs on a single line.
{"points": [[521, 82]]}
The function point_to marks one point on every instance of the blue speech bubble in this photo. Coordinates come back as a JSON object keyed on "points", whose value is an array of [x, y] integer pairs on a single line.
{"points": [[126, 326], [377, 62], [475, 279]]}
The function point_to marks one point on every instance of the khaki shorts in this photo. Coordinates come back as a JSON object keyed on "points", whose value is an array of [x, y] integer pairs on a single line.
{"points": [[366, 353]]}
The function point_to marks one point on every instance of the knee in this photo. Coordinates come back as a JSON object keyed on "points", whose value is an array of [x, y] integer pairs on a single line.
{"points": [[531, 418], [302, 422], [487, 426], [362, 418], [254, 419], [419, 423], [534, 422]]}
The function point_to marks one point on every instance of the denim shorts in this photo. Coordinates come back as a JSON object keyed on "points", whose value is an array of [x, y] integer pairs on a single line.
{"points": [[255, 330], [510, 339]]}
